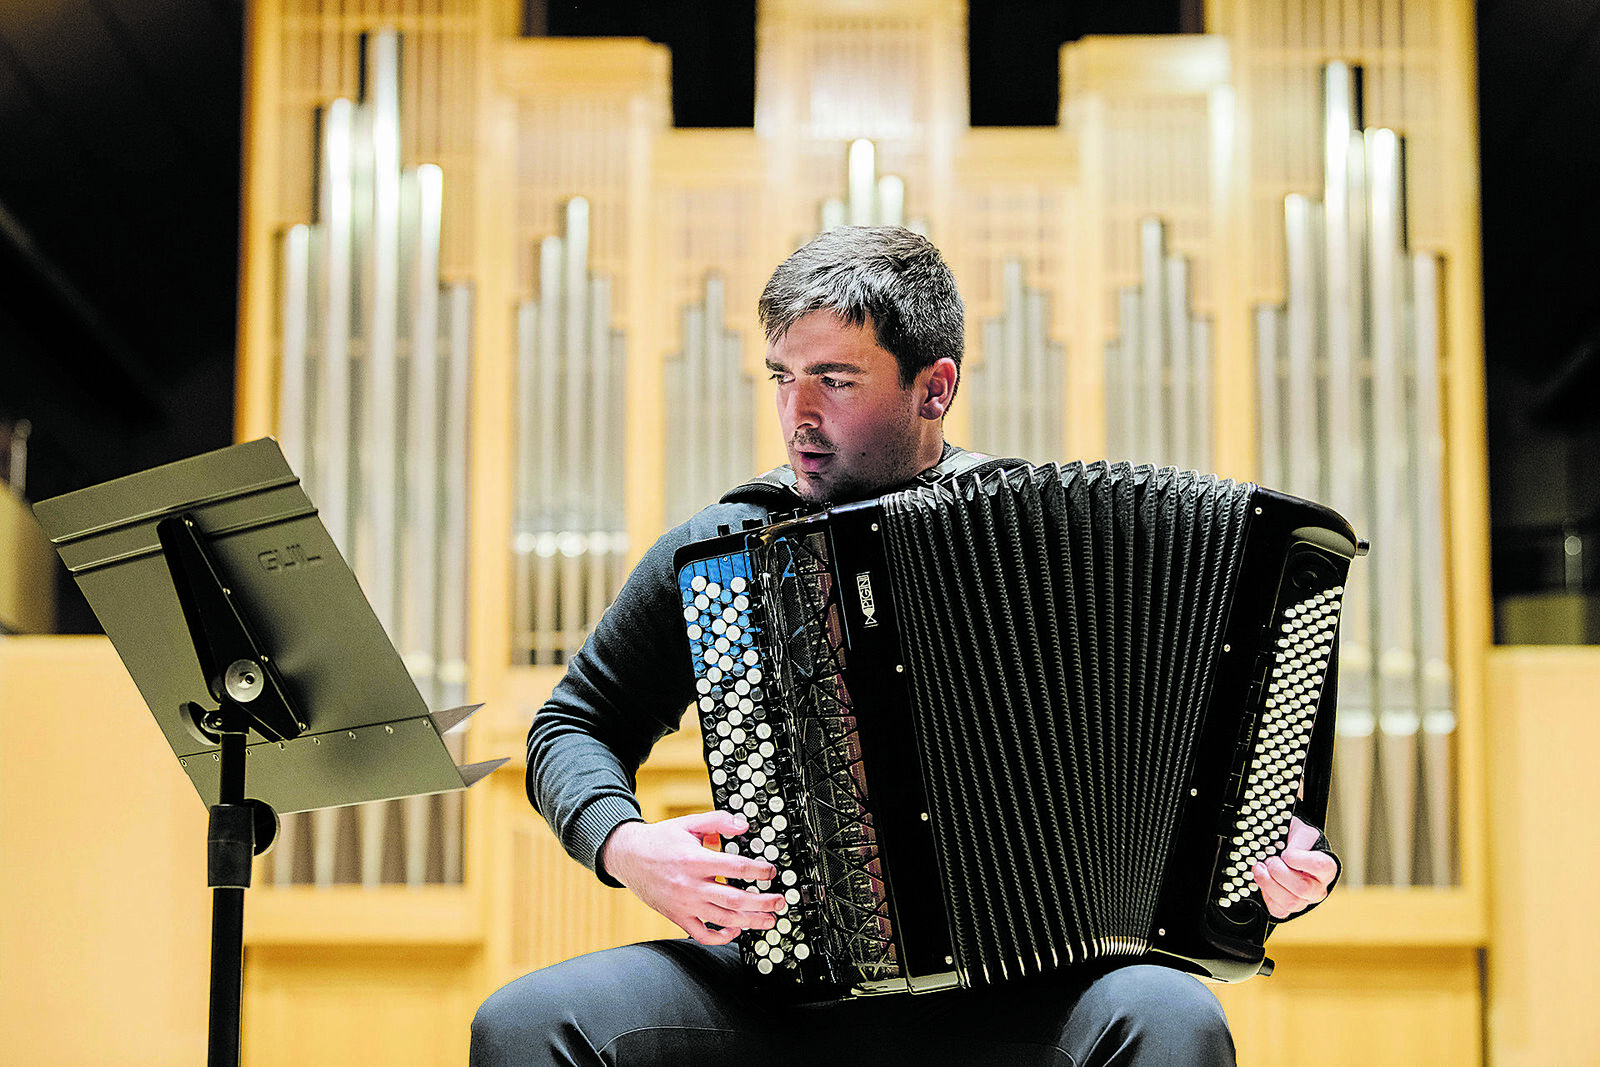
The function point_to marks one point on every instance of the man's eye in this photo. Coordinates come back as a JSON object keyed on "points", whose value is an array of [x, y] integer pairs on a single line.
{"points": [[779, 377], [835, 383]]}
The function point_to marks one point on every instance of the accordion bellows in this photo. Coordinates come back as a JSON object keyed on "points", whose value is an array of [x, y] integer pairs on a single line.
{"points": [[1022, 720]]}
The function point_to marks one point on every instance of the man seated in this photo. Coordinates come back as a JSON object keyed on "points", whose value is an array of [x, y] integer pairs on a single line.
{"points": [[865, 331]]}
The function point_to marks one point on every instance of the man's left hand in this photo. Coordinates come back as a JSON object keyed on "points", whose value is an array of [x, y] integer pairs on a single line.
{"points": [[1297, 877]]}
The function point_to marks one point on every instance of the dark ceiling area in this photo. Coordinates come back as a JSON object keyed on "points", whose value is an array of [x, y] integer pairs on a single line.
{"points": [[119, 200], [119, 207]]}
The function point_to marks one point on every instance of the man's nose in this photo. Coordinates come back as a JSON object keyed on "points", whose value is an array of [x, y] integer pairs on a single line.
{"points": [[800, 401]]}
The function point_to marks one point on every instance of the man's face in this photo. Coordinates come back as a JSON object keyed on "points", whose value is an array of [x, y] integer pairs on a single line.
{"points": [[851, 430]]}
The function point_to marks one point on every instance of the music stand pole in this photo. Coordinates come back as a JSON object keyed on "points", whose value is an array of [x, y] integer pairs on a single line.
{"points": [[240, 829], [248, 695], [230, 847]]}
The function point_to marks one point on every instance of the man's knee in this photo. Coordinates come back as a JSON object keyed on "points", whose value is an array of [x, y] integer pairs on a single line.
{"points": [[571, 1012], [488, 1033], [521, 1023], [1159, 1011]]}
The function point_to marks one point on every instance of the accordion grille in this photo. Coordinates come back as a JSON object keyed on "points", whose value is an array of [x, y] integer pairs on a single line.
{"points": [[1061, 623]]}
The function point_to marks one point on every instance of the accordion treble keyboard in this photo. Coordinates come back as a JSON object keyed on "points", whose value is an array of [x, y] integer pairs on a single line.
{"points": [[739, 727], [1005, 725]]}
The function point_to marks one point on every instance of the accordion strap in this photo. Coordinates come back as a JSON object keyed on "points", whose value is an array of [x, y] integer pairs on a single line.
{"points": [[775, 490]]}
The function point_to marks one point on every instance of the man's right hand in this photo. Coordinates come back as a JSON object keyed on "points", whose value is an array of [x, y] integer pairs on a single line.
{"points": [[668, 866]]}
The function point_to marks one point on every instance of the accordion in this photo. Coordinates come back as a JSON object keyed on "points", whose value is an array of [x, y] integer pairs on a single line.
{"points": [[1023, 719]]}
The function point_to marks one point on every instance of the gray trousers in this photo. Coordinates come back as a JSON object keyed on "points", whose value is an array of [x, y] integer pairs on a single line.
{"points": [[677, 1002]]}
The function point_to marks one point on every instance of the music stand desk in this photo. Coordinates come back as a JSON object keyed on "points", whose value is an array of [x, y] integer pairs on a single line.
{"points": [[256, 651]]}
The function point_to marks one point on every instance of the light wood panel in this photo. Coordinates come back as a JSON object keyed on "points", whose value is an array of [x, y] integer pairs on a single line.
{"points": [[1361, 1005], [105, 918], [1546, 856], [339, 1005]]}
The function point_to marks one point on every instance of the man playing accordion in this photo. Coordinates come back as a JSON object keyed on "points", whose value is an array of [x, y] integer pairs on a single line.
{"points": [[865, 332]]}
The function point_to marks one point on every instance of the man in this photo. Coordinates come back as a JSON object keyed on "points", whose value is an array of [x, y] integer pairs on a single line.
{"points": [[865, 334]]}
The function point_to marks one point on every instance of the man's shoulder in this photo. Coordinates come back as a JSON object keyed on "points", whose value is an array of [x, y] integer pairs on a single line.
{"points": [[776, 490], [730, 514], [957, 462]]}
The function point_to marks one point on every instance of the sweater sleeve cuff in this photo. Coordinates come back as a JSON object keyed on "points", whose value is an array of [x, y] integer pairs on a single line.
{"points": [[588, 832]]}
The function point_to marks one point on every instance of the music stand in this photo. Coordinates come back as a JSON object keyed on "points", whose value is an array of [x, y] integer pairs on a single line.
{"points": [[259, 656]]}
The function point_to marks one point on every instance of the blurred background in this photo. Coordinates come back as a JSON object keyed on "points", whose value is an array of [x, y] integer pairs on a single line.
{"points": [[1084, 166], [119, 209]]}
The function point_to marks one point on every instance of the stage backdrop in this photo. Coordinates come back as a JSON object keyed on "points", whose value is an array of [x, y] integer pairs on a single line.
{"points": [[503, 314]]}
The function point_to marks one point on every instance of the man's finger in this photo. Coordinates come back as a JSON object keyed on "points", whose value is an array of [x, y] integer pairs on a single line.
{"points": [[1281, 902], [1277, 900], [739, 900], [713, 864], [749, 869], [1314, 864], [1302, 835], [721, 823], [707, 936], [1301, 885], [716, 914]]}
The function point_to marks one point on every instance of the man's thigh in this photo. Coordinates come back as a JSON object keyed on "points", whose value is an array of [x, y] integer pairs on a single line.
{"points": [[673, 1002]]}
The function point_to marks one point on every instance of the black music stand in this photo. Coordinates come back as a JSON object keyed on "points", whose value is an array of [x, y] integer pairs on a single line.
{"points": [[257, 652]]}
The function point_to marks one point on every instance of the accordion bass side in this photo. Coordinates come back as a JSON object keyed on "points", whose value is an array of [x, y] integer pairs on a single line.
{"points": [[1025, 719]]}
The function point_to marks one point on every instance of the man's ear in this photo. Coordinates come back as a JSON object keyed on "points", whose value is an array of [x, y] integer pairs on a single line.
{"points": [[937, 389]]}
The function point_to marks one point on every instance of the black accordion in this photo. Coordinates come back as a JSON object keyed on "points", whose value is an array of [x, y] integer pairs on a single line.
{"points": [[1023, 719]]}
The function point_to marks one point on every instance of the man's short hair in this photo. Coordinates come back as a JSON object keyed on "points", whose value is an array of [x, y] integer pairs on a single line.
{"points": [[887, 275]]}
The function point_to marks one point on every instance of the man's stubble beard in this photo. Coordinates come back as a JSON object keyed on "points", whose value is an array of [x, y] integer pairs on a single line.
{"points": [[875, 475]]}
